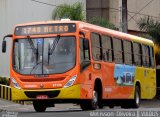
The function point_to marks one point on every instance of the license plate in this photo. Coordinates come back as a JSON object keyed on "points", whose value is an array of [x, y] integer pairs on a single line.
{"points": [[42, 97]]}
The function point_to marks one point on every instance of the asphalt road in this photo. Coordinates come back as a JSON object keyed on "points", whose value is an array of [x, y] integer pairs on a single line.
{"points": [[70, 110]]}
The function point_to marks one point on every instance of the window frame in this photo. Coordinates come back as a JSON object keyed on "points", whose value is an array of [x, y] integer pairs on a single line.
{"points": [[99, 46], [139, 54], [144, 62], [85, 63], [130, 53], [151, 57], [109, 49], [121, 51]]}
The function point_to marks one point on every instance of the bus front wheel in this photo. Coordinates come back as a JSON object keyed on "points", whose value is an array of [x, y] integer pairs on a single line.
{"points": [[39, 106], [90, 104]]}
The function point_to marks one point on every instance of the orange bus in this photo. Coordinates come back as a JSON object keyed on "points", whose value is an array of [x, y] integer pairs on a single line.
{"points": [[77, 62]]}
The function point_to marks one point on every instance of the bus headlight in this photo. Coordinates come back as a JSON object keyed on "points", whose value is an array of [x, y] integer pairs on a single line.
{"points": [[15, 84], [70, 82]]}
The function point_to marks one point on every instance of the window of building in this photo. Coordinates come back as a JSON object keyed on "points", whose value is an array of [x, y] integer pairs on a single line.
{"points": [[137, 54], [127, 52], [117, 48], [107, 48], [96, 49]]}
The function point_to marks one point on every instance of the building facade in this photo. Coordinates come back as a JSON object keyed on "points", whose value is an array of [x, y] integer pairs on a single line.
{"points": [[112, 11]]}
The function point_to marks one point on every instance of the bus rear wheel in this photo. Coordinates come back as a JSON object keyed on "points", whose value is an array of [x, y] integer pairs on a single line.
{"points": [[90, 104], [39, 106], [136, 100]]}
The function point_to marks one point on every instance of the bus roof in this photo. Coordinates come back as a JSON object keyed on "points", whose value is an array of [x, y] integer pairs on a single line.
{"points": [[116, 34], [46, 22], [98, 29]]}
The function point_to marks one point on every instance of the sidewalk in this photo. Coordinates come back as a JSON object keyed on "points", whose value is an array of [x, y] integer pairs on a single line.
{"points": [[11, 106], [14, 107]]}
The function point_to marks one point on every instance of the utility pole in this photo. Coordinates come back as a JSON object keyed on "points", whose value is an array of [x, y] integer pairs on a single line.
{"points": [[124, 16]]}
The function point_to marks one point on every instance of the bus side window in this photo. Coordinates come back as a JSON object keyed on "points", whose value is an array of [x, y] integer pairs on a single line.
{"points": [[127, 52], [107, 48], [96, 48], [145, 53], [137, 54], [117, 47], [84, 54], [152, 63]]}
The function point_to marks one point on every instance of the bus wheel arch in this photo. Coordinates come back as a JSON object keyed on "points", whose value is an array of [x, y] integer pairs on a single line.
{"points": [[99, 89], [95, 102]]}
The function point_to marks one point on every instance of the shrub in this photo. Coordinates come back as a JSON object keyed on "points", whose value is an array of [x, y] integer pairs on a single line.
{"points": [[102, 22], [4, 81]]}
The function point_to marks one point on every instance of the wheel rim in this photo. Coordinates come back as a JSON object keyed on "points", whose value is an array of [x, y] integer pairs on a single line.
{"points": [[95, 98], [137, 98]]}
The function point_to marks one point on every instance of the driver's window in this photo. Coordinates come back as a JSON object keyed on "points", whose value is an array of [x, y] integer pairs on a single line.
{"points": [[84, 55], [16, 57]]}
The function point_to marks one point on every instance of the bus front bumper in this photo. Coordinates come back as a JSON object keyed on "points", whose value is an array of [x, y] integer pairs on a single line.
{"points": [[72, 92]]}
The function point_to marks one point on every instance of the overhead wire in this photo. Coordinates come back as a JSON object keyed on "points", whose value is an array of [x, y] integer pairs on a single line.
{"points": [[118, 10]]}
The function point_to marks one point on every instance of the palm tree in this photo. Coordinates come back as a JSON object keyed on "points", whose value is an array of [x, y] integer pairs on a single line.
{"points": [[73, 12], [152, 27]]}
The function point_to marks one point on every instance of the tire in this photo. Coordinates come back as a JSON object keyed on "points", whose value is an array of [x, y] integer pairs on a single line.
{"points": [[90, 104], [39, 106], [125, 106], [111, 106], [100, 102], [100, 105], [137, 97]]}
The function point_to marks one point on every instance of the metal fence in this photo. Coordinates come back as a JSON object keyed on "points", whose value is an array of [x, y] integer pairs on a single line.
{"points": [[6, 93]]}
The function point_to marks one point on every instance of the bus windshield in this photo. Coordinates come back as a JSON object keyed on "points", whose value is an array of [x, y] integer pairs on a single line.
{"points": [[44, 55]]}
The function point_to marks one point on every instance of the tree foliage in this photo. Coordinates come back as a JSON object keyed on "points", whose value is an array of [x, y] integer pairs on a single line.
{"points": [[73, 12], [102, 22], [4, 81], [152, 27]]}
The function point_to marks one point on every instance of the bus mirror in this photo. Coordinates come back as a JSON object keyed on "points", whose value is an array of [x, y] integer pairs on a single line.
{"points": [[4, 43], [86, 44]]}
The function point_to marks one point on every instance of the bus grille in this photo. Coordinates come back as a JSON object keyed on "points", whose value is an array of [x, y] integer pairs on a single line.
{"points": [[50, 94], [42, 79]]}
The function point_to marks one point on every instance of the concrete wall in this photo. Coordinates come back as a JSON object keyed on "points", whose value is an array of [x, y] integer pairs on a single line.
{"points": [[20, 11], [138, 6], [137, 9], [108, 9], [115, 12], [97, 8], [112, 10]]}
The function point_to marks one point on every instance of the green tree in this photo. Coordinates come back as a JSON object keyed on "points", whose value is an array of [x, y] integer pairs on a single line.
{"points": [[152, 27], [73, 12], [102, 22]]}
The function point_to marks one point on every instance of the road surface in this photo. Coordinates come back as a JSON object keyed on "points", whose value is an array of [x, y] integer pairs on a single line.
{"points": [[72, 110]]}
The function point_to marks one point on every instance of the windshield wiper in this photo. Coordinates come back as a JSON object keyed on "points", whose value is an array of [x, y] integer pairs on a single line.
{"points": [[32, 45], [35, 50], [53, 46]]}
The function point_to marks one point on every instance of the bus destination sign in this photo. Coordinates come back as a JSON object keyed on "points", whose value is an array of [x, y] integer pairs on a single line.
{"points": [[45, 29]]}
